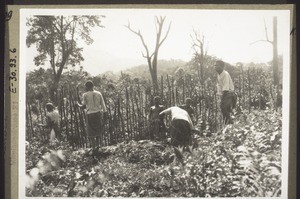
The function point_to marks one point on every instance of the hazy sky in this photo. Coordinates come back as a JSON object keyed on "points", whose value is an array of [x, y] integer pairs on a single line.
{"points": [[229, 34]]}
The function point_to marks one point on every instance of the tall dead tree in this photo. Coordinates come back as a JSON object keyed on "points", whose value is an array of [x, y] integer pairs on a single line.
{"points": [[200, 52], [275, 49], [152, 58], [275, 53]]}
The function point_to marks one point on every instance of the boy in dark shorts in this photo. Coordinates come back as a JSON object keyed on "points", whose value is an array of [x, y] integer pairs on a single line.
{"points": [[94, 104]]}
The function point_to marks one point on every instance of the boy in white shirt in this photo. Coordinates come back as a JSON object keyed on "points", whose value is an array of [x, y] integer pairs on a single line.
{"points": [[52, 123], [225, 89], [94, 104]]}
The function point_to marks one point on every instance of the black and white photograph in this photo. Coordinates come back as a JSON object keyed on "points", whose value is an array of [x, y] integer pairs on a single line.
{"points": [[154, 102]]}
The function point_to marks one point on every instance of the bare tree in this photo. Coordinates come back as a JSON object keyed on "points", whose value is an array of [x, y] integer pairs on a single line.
{"points": [[200, 48], [152, 57], [275, 49]]}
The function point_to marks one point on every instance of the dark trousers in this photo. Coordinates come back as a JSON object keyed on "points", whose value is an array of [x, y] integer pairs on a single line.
{"points": [[180, 132], [157, 129], [228, 102]]}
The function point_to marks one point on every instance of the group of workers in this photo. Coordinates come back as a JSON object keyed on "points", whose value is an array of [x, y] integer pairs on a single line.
{"points": [[181, 126]]}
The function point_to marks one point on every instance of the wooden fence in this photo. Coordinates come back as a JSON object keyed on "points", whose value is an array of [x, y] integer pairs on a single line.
{"points": [[128, 106]]}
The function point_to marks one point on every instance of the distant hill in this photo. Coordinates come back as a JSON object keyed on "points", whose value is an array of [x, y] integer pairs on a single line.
{"points": [[164, 67], [168, 67]]}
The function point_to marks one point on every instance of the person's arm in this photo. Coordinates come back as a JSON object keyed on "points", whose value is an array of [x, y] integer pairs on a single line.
{"points": [[191, 123], [161, 117], [83, 105], [48, 122], [167, 111], [103, 104], [192, 115], [150, 114], [219, 86]]}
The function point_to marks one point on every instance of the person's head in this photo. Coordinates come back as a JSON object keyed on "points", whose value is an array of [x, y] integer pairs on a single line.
{"points": [[156, 100], [188, 101], [219, 66], [49, 107], [89, 86]]}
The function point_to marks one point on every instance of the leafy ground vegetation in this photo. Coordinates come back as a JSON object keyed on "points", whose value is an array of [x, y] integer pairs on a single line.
{"points": [[243, 159]]}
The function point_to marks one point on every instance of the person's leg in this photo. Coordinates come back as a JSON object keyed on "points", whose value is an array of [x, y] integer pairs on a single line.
{"points": [[223, 108], [57, 132], [90, 141], [152, 130], [174, 133], [226, 107], [93, 143], [181, 132], [162, 130], [185, 133]]}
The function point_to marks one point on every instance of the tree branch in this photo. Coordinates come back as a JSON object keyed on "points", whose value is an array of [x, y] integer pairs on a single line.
{"points": [[267, 38], [140, 36], [266, 30], [260, 41], [165, 35]]}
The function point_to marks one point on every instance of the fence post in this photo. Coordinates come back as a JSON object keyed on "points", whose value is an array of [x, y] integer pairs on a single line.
{"points": [[249, 89]]}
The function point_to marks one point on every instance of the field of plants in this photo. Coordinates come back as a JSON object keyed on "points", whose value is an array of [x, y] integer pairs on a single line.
{"points": [[243, 159]]}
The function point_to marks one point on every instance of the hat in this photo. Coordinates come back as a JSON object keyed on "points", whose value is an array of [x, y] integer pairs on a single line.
{"points": [[156, 98], [50, 106]]}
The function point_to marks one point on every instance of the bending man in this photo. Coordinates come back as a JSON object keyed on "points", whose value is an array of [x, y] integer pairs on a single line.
{"points": [[181, 126]]}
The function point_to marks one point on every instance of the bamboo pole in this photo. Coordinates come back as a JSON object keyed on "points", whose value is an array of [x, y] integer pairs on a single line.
{"points": [[240, 88], [162, 88], [75, 119], [183, 89], [249, 90], [173, 92], [82, 117], [133, 114], [74, 138], [243, 91], [63, 115], [120, 118], [29, 111], [169, 91], [127, 114]]}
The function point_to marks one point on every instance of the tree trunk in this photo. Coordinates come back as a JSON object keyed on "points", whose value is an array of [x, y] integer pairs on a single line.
{"points": [[275, 53], [53, 90]]}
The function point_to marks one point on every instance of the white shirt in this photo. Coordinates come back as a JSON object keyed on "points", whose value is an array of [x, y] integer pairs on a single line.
{"points": [[179, 113], [53, 116], [94, 102], [224, 83]]}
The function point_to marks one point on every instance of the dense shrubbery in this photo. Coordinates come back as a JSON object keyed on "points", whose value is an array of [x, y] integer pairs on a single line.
{"points": [[240, 160]]}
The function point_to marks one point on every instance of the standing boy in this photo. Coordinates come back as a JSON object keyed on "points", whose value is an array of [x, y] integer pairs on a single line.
{"points": [[157, 125], [225, 89], [188, 108], [94, 104]]}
